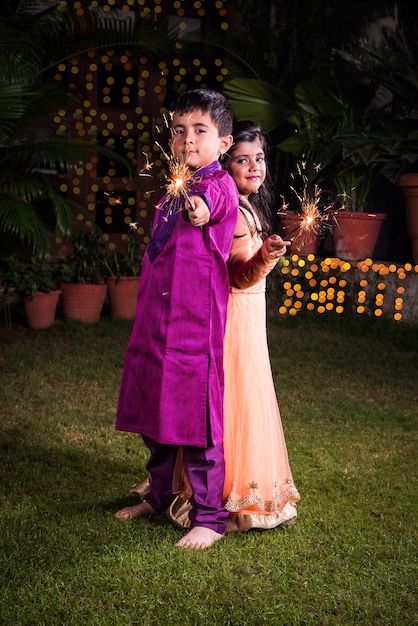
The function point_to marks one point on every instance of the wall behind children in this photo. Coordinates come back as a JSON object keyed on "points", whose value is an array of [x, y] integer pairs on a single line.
{"points": [[122, 104]]}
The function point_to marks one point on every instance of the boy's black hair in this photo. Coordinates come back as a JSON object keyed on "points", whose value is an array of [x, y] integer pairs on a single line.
{"points": [[207, 101], [262, 201]]}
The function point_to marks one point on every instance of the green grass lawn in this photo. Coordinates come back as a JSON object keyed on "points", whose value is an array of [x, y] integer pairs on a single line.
{"points": [[347, 389]]}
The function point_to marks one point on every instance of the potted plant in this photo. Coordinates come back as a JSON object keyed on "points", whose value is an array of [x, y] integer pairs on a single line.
{"points": [[338, 119], [36, 37], [123, 280], [35, 281], [356, 225], [325, 121], [321, 120], [82, 275], [392, 142], [408, 182]]}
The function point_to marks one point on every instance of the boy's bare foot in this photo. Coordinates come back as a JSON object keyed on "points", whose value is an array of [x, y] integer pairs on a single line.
{"points": [[135, 511], [199, 538]]}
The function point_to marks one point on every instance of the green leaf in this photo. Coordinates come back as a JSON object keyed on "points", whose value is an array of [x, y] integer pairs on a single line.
{"points": [[254, 99]]}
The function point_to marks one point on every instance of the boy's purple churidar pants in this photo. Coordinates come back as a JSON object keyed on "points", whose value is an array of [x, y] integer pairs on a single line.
{"points": [[205, 469]]}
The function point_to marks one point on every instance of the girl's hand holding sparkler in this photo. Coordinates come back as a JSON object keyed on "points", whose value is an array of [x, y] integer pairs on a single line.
{"points": [[275, 246], [198, 211]]}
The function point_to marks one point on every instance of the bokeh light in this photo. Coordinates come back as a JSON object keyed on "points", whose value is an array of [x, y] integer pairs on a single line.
{"points": [[365, 287], [123, 100]]}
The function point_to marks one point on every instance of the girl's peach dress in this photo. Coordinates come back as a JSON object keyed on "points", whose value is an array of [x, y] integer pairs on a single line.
{"points": [[259, 491]]}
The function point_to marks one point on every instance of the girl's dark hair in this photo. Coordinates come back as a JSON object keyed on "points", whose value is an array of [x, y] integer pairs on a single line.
{"points": [[207, 101], [262, 201]]}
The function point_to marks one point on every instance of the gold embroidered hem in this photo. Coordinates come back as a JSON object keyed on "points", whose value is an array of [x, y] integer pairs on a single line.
{"points": [[269, 506], [238, 522], [178, 513]]}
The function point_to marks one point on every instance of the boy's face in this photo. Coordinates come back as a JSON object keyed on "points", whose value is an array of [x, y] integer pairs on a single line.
{"points": [[195, 139]]}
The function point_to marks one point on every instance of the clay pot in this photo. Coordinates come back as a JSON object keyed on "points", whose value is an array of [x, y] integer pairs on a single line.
{"points": [[355, 234], [40, 309], [409, 185], [122, 296], [302, 242], [83, 303]]}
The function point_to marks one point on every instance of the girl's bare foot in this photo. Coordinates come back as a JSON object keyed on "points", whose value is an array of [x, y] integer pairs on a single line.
{"points": [[135, 511], [199, 538]]}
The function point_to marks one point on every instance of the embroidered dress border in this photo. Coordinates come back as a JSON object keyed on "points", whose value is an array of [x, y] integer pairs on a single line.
{"points": [[290, 494]]}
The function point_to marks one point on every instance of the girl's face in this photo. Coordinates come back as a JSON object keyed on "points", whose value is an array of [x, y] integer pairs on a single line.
{"points": [[247, 166], [195, 139]]}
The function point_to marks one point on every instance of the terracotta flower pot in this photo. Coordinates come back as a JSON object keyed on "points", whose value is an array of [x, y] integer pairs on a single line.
{"points": [[303, 242], [122, 297], [355, 234], [83, 303], [409, 185], [40, 309]]}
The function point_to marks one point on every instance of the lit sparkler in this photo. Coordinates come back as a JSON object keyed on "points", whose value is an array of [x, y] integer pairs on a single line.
{"points": [[314, 219], [178, 177]]}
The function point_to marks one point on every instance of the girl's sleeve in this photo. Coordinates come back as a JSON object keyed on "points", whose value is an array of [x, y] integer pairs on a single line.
{"points": [[246, 268]]}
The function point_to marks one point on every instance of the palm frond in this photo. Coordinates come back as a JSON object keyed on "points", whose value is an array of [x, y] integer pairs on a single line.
{"points": [[19, 219], [262, 102], [37, 36], [33, 41]]}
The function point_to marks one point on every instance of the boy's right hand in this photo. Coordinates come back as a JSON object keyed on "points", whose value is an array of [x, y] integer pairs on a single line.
{"points": [[198, 212]]}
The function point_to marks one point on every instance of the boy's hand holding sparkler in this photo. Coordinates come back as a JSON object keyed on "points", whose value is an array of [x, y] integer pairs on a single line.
{"points": [[197, 210], [275, 246]]}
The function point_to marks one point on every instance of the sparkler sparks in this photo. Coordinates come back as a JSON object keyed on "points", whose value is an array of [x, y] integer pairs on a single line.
{"points": [[178, 177], [345, 197], [314, 218], [148, 166]]}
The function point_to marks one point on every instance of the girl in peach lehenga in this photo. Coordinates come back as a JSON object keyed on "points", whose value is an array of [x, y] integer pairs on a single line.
{"points": [[259, 491]]}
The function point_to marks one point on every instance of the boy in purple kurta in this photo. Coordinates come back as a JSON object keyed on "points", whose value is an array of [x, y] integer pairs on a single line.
{"points": [[172, 383]]}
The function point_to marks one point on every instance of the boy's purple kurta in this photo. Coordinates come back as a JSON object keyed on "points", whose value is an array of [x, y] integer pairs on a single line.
{"points": [[172, 381]]}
